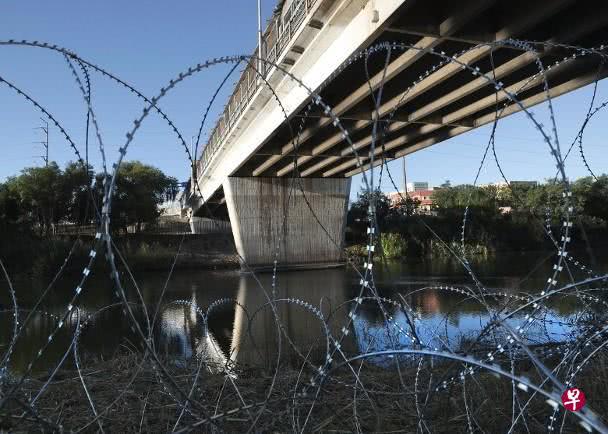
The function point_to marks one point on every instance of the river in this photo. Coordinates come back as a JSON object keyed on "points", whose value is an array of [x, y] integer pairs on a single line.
{"points": [[245, 332]]}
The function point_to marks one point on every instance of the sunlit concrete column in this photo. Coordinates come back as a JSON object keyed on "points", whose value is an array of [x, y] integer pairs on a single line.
{"points": [[298, 222]]}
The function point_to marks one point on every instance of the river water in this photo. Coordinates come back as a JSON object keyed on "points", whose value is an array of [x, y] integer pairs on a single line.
{"points": [[246, 332]]}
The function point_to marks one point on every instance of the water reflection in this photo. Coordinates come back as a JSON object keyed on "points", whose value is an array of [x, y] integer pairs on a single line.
{"points": [[255, 332], [450, 331], [243, 330], [253, 337], [445, 320], [182, 334]]}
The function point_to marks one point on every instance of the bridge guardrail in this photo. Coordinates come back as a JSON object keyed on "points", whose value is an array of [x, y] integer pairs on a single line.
{"points": [[278, 34]]}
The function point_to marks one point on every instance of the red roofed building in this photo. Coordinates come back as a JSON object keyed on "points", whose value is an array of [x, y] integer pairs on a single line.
{"points": [[425, 197]]}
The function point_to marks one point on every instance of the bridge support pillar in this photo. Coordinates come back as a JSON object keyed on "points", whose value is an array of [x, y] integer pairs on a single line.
{"points": [[300, 223]]}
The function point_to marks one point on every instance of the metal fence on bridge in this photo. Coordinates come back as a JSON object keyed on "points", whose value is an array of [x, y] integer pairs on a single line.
{"points": [[277, 36]]}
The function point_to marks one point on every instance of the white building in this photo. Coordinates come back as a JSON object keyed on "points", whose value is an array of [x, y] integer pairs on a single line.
{"points": [[417, 186]]}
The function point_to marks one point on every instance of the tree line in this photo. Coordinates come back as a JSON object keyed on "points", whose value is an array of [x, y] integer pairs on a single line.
{"points": [[498, 217], [40, 198], [589, 198]]}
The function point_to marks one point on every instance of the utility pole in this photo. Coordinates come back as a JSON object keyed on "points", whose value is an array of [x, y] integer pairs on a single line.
{"points": [[86, 141], [193, 169], [45, 143], [404, 176]]}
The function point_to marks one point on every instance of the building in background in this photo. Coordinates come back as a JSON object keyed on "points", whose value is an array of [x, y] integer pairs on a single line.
{"points": [[425, 197], [395, 197], [417, 186], [415, 191]]}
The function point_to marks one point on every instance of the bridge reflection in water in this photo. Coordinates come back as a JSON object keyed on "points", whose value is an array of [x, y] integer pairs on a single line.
{"points": [[182, 334], [247, 332]]}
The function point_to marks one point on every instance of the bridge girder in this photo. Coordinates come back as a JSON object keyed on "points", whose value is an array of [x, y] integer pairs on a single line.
{"points": [[442, 104]]}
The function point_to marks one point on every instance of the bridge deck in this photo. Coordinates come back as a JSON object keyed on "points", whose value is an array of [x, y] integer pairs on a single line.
{"points": [[447, 102]]}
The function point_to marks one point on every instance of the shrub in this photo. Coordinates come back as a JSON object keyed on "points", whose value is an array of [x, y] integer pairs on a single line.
{"points": [[393, 245]]}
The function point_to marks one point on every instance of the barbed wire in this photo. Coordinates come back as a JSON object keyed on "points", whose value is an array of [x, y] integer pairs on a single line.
{"points": [[416, 362]]}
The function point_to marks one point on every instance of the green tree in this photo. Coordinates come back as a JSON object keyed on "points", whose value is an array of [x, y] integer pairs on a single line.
{"points": [[360, 209], [542, 200], [42, 195], [11, 211], [76, 183], [138, 192], [594, 196], [461, 196]]}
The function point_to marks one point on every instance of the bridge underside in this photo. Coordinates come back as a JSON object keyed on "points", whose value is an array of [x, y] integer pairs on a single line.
{"points": [[449, 101], [420, 110]]}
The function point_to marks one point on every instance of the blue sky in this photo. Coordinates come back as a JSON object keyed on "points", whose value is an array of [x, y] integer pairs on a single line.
{"points": [[148, 43]]}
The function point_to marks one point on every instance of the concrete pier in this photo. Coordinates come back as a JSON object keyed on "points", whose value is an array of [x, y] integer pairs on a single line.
{"points": [[299, 222]]}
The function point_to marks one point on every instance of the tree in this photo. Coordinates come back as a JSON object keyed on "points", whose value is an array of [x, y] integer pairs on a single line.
{"points": [[402, 205], [459, 197], [542, 200], [595, 202], [11, 211], [360, 209], [139, 190], [76, 183], [407, 206], [42, 195]]}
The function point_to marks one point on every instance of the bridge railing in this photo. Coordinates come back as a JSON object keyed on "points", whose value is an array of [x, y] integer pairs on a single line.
{"points": [[275, 40]]}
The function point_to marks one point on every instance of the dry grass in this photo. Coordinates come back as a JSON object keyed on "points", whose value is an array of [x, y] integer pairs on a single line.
{"points": [[130, 397]]}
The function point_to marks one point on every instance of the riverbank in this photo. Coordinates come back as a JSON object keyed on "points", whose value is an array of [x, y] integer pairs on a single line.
{"points": [[129, 396], [24, 253], [150, 252], [397, 246], [43, 256]]}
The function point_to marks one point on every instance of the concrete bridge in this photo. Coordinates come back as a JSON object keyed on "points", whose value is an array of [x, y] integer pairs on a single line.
{"points": [[247, 167]]}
